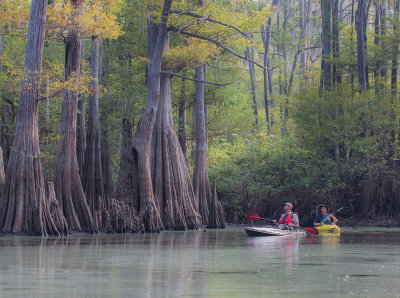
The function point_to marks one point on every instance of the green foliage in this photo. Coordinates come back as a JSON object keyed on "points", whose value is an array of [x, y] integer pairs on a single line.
{"points": [[258, 172]]}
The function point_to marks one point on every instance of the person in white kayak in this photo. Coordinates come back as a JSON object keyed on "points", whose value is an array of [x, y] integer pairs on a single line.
{"points": [[324, 218], [288, 220]]}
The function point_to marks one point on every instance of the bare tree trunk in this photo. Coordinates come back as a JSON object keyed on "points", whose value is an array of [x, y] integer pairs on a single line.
{"points": [[182, 120], [68, 186], [172, 185], [2, 175], [201, 183], [207, 203], [92, 171], [382, 32], [125, 165], [81, 129], [81, 135], [23, 207], [360, 28], [250, 54], [335, 43], [106, 164], [302, 27], [395, 50], [266, 37], [377, 28], [326, 43], [141, 144]]}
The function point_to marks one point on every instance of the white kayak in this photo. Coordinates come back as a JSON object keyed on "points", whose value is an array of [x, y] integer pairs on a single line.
{"points": [[259, 231]]}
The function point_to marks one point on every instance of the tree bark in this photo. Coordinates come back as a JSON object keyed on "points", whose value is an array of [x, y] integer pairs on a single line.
{"points": [[395, 50], [206, 202], [172, 185], [92, 172], [22, 206], [326, 44], [335, 43], [250, 54], [382, 32], [141, 144], [2, 175], [267, 74], [106, 164], [81, 128], [125, 166], [81, 136], [182, 120], [360, 28], [68, 186]]}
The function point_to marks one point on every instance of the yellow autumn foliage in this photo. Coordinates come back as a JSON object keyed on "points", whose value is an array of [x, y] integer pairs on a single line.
{"points": [[14, 14], [193, 52], [92, 19]]}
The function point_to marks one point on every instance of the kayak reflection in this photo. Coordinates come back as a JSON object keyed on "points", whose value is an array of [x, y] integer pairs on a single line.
{"points": [[287, 244]]}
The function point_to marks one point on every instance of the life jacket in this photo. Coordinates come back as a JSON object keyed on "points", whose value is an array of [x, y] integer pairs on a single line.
{"points": [[288, 218]]}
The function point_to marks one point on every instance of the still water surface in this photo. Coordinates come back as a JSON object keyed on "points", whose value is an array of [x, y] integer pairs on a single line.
{"points": [[222, 263]]}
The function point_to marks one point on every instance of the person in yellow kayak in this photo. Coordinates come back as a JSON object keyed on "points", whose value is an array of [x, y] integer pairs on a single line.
{"points": [[324, 218], [288, 220]]}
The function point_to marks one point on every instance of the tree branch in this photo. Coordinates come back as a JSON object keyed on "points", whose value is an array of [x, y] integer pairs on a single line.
{"points": [[191, 79], [195, 15], [217, 43]]}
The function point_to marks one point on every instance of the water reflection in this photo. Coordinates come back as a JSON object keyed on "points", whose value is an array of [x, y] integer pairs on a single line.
{"points": [[288, 245], [199, 264]]}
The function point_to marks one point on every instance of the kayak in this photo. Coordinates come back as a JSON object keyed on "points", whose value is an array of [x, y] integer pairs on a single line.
{"points": [[329, 230], [258, 231]]}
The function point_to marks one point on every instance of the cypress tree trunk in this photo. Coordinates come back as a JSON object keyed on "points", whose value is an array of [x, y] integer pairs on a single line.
{"points": [[382, 19], [68, 186], [302, 27], [207, 203], [201, 183], [81, 129], [172, 186], [335, 42], [81, 135], [395, 50], [125, 166], [360, 28], [182, 119], [182, 126], [22, 206], [250, 54], [92, 173], [2, 175], [326, 43], [106, 164], [141, 144]]}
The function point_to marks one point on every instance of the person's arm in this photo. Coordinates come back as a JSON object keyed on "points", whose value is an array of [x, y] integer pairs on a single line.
{"points": [[317, 221], [277, 222], [335, 220], [295, 221]]}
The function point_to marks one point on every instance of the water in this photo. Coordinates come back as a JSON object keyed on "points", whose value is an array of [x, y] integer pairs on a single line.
{"points": [[223, 263]]}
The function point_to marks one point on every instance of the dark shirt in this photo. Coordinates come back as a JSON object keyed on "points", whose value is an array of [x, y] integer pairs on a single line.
{"points": [[321, 218]]}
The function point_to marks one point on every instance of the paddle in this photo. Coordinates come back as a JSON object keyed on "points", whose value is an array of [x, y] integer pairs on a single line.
{"points": [[311, 230]]}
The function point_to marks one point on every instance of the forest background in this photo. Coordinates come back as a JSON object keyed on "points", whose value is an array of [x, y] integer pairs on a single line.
{"points": [[300, 103]]}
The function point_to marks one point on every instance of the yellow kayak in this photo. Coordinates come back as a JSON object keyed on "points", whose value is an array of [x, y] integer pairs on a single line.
{"points": [[329, 230]]}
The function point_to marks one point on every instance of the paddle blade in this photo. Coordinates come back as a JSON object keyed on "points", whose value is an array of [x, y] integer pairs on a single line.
{"points": [[252, 216], [312, 230]]}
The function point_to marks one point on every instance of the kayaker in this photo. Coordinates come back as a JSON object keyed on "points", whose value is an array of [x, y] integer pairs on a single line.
{"points": [[288, 220], [324, 218]]}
